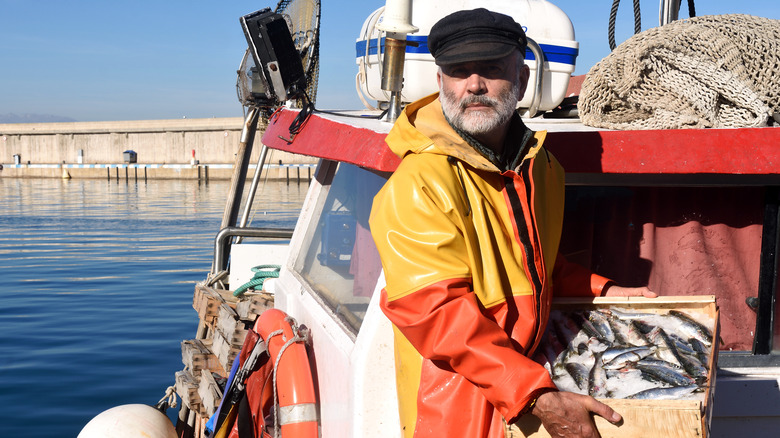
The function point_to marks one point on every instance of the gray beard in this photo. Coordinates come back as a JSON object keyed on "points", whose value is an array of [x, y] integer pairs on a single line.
{"points": [[476, 123]]}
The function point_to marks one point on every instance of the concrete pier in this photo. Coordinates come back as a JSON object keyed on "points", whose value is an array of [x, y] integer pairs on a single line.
{"points": [[163, 149]]}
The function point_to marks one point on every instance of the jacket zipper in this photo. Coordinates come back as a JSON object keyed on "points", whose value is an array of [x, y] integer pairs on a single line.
{"points": [[525, 240]]}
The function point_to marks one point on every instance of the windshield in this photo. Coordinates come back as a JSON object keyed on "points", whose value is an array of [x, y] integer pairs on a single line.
{"points": [[339, 261]]}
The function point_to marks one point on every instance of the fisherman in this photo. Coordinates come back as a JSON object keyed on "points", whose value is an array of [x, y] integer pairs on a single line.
{"points": [[468, 229]]}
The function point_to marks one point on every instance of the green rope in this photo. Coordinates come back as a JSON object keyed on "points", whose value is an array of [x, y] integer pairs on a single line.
{"points": [[261, 274]]}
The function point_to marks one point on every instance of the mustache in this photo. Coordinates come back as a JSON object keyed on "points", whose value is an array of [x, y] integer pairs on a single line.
{"points": [[478, 99]]}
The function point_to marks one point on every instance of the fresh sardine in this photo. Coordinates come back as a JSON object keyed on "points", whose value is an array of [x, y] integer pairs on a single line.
{"points": [[614, 352], [579, 373], [664, 374], [627, 332], [628, 358], [665, 393], [694, 367], [601, 324], [693, 328], [666, 349], [597, 380]]}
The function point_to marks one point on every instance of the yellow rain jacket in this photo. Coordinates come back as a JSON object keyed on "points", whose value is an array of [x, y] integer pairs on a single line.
{"points": [[469, 254]]}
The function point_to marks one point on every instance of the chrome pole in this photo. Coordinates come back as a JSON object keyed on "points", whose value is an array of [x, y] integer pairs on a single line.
{"points": [[253, 188], [668, 11], [536, 101]]}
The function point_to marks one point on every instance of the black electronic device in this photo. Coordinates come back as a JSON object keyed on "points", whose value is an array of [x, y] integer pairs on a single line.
{"points": [[278, 63]]}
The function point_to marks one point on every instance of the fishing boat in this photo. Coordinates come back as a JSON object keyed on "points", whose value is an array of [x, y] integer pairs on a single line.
{"points": [[683, 209]]}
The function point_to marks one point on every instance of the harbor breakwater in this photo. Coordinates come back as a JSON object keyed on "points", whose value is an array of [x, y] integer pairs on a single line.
{"points": [[156, 149]]}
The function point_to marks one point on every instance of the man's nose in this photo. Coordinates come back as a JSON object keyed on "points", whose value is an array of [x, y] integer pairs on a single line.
{"points": [[476, 84]]}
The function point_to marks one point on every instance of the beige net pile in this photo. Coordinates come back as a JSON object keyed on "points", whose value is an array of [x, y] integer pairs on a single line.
{"points": [[706, 72]]}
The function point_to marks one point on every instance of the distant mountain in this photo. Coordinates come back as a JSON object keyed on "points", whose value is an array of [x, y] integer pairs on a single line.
{"points": [[33, 118]]}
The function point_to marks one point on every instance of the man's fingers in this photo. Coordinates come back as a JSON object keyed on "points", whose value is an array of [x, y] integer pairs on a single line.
{"points": [[620, 291], [601, 410]]}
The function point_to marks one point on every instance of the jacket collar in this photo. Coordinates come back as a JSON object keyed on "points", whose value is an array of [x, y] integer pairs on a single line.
{"points": [[422, 128]]}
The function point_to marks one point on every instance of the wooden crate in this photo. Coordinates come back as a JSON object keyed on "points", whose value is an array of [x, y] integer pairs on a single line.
{"points": [[647, 418], [253, 305], [207, 302], [230, 326], [196, 355], [209, 392], [224, 350], [187, 388], [228, 336]]}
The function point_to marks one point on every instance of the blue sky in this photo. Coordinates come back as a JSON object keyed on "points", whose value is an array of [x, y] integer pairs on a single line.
{"points": [[107, 60]]}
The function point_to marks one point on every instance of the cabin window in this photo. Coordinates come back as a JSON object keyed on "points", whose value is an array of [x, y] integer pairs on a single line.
{"points": [[339, 260], [685, 241]]}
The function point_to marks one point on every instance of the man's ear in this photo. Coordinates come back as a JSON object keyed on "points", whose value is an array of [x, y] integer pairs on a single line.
{"points": [[525, 73], [438, 78]]}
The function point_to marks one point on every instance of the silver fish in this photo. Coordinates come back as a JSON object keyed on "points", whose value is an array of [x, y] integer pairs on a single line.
{"points": [[601, 323], [652, 361], [673, 393], [666, 349], [579, 373], [664, 374], [597, 380], [628, 358], [681, 345], [694, 367], [627, 332], [692, 327], [614, 352]]}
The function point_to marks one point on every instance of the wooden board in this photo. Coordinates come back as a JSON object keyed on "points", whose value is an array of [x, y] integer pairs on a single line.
{"points": [[230, 326], [187, 388], [209, 392], [224, 350], [253, 305], [646, 418], [196, 355]]}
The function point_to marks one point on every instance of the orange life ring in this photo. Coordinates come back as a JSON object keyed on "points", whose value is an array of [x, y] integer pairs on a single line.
{"points": [[297, 413]]}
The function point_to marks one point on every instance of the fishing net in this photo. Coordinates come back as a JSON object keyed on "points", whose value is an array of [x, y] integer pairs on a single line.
{"points": [[714, 71]]}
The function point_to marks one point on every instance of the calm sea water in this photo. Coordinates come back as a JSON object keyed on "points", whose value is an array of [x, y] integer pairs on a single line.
{"points": [[96, 284]]}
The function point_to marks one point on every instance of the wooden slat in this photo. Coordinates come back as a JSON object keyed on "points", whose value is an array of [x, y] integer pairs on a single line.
{"points": [[250, 308], [209, 393], [196, 355], [224, 351], [187, 388], [230, 326], [206, 302]]}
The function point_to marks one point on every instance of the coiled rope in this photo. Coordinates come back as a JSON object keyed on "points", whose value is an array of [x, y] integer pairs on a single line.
{"points": [[262, 273], [299, 336], [168, 400]]}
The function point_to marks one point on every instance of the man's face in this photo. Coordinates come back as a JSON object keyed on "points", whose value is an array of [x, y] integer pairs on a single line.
{"points": [[480, 97]]}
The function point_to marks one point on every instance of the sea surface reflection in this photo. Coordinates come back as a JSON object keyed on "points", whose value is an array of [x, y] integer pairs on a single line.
{"points": [[96, 292]]}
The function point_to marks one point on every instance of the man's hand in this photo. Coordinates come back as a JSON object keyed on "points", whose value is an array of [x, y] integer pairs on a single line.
{"points": [[614, 290], [566, 414]]}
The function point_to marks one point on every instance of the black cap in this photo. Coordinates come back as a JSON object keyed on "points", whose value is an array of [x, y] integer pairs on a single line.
{"points": [[475, 35]]}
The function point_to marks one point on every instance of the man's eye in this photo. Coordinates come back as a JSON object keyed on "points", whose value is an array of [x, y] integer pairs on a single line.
{"points": [[458, 72], [493, 71]]}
